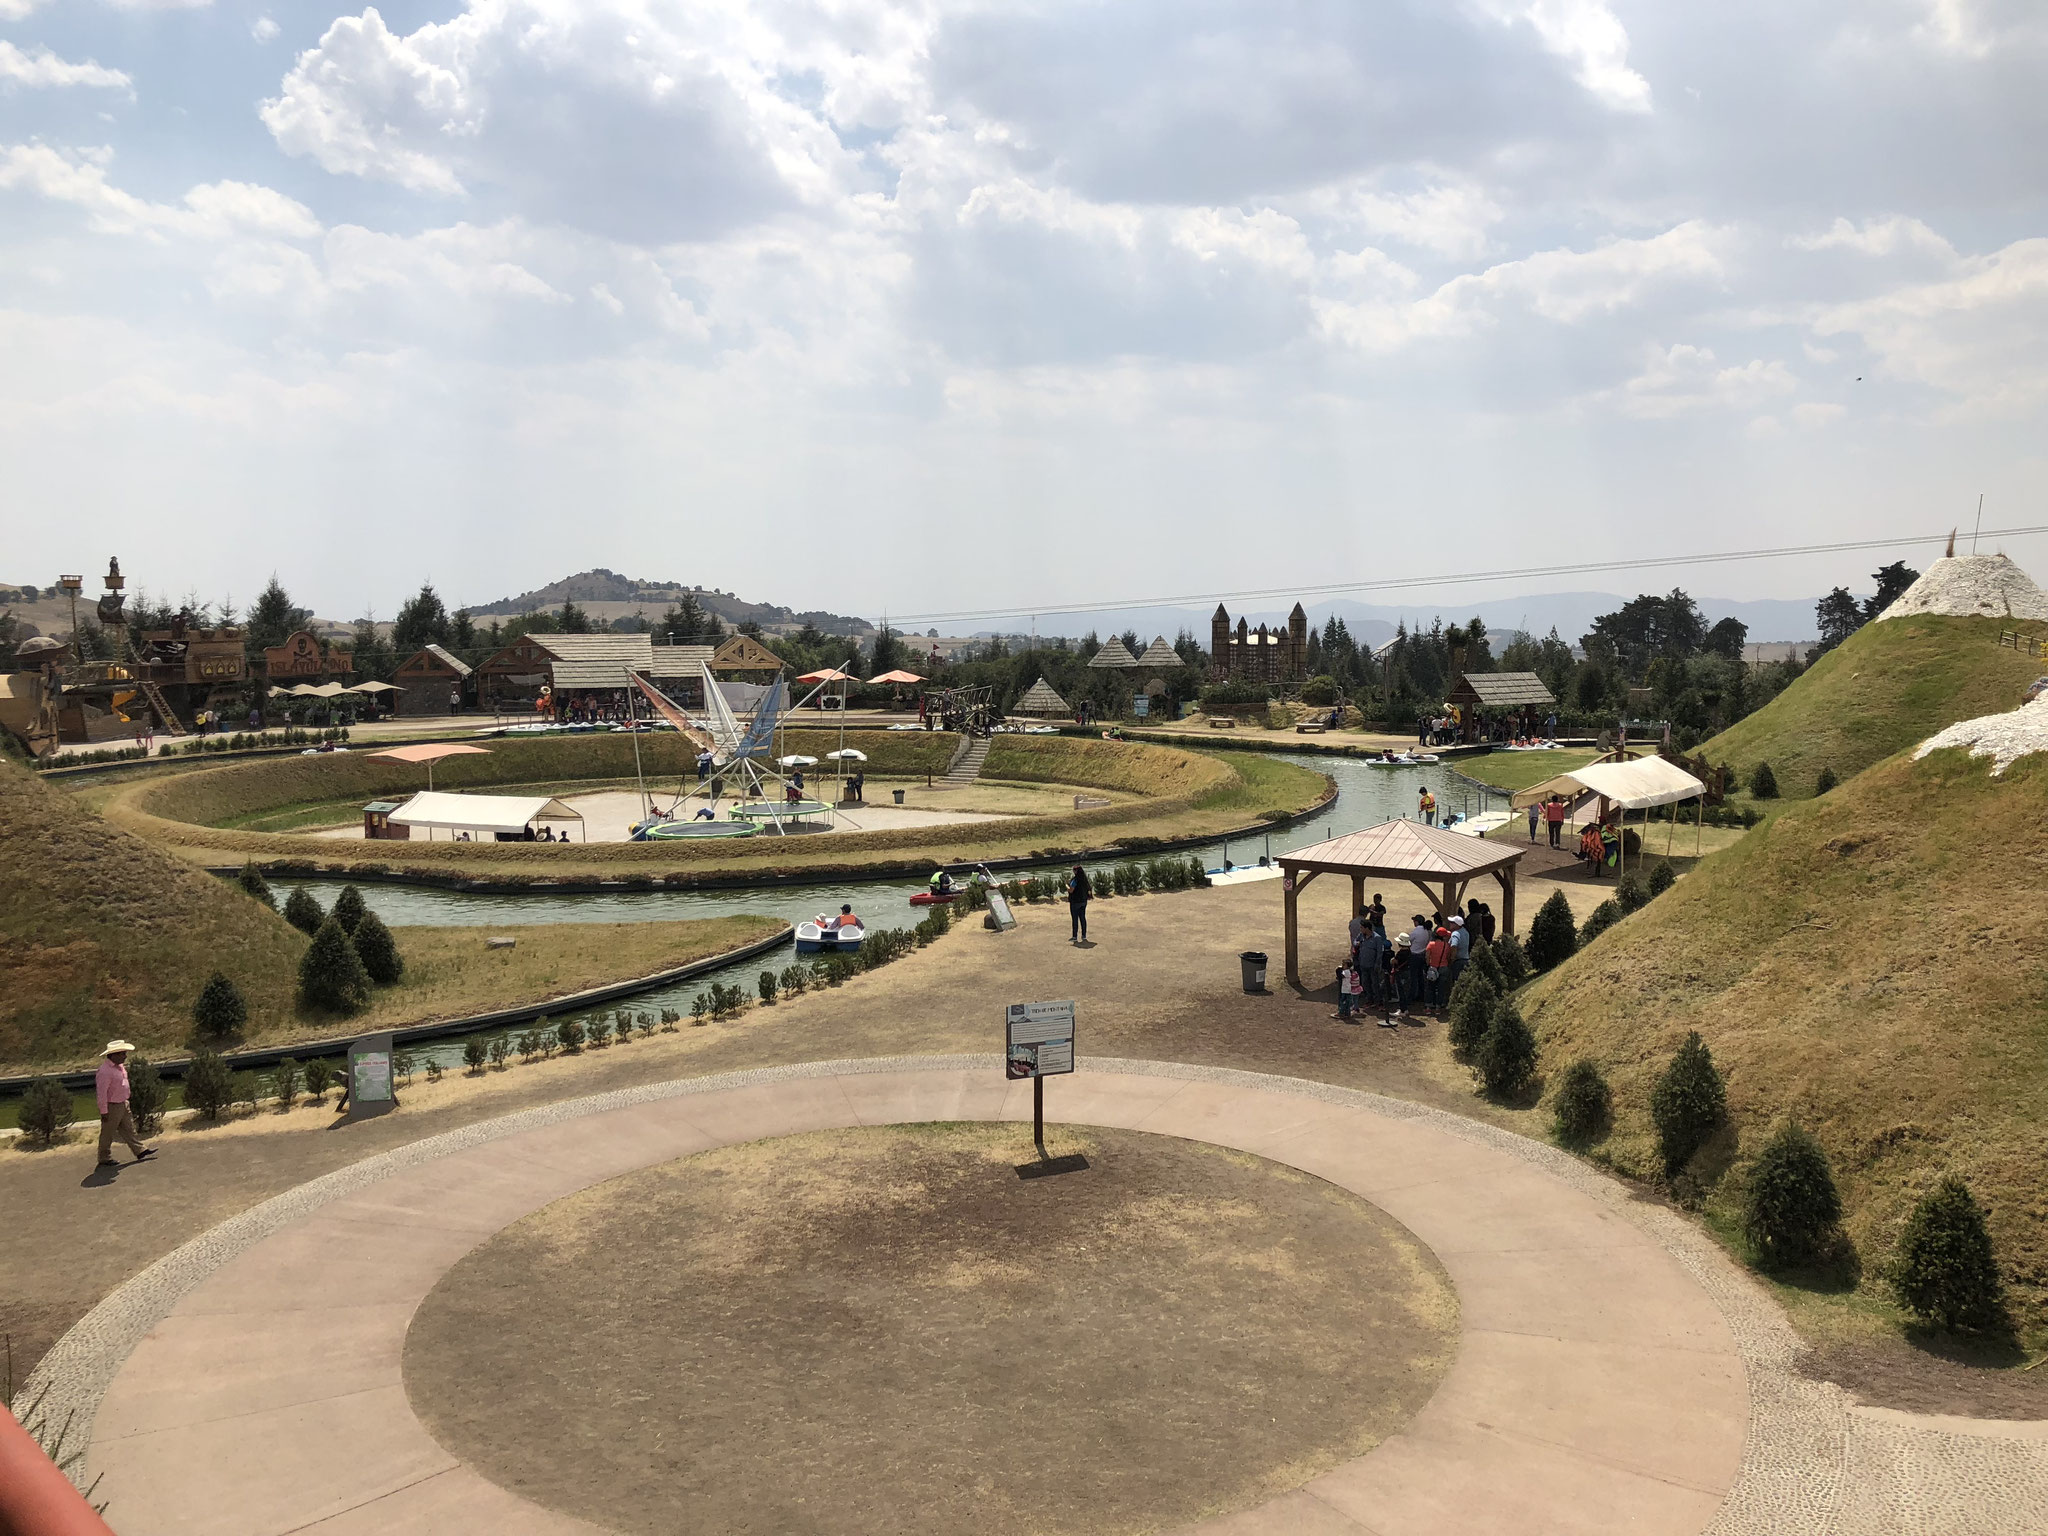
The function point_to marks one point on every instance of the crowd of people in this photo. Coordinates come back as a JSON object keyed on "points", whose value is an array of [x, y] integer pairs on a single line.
{"points": [[1408, 970]]}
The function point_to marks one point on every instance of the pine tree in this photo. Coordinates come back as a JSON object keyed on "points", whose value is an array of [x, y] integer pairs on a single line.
{"points": [[1946, 1270], [1790, 1205], [1763, 784], [349, 909], [1825, 781], [1514, 960], [209, 1086], [302, 911], [1584, 1104], [1689, 1102], [147, 1096], [1662, 877], [252, 882], [1553, 937], [45, 1112], [1506, 1057], [378, 950], [331, 975], [1631, 894], [219, 1011], [1473, 1000], [1599, 920]]}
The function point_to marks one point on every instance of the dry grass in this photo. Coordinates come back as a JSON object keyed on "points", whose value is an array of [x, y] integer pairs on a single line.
{"points": [[1889, 686], [1867, 963], [106, 935]]}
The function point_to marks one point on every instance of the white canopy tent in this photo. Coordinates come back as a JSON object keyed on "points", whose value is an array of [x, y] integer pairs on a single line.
{"points": [[495, 814], [1634, 784]]}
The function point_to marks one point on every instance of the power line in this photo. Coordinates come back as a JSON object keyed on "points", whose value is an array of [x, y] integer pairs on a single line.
{"points": [[1453, 579]]}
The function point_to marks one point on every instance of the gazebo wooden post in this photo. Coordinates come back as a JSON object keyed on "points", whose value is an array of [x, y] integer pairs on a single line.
{"points": [[1291, 882], [1357, 897], [1506, 876]]}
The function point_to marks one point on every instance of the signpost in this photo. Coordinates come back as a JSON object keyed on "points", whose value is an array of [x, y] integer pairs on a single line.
{"points": [[369, 1077], [1038, 1042], [1005, 919]]}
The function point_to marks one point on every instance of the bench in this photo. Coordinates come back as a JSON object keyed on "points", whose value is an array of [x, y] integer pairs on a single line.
{"points": [[1223, 722], [1308, 728]]}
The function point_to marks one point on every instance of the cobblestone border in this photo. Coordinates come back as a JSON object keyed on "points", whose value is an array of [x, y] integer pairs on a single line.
{"points": [[1809, 1463]]}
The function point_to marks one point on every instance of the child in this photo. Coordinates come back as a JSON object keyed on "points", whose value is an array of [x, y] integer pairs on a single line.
{"points": [[1347, 991]]}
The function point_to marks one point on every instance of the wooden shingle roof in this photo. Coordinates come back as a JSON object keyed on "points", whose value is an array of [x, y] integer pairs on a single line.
{"points": [[1501, 690], [1403, 848]]}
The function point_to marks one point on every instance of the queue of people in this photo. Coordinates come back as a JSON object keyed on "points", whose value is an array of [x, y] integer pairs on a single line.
{"points": [[1410, 971]]}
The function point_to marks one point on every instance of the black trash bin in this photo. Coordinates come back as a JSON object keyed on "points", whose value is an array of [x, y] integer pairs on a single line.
{"points": [[1254, 964], [899, 795]]}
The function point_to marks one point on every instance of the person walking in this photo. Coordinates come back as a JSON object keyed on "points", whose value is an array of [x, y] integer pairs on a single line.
{"points": [[110, 1086], [1415, 992], [1553, 816], [1078, 892], [1535, 815], [1425, 806]]}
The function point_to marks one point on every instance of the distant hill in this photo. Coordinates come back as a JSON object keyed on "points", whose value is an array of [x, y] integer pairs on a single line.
{"points": [[103, 934], [1889, 685], [608, 595]]}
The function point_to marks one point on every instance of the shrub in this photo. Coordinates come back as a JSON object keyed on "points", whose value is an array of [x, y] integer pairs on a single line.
{"points": [[1320, 692], [700, 1010], [1506, 1056], [1602, 918], [219, 1011], [1553, 936], [147, 1096], [284, 1080], [765, 985], [796, 979], [1584, 1104], [1472, 1003], [331, 974], [598, 1033], [1763, 784], [1689, 1102], [1662, 877], [320, 1076], [570, 1035], [246, 1089], [1487, 964], [433, 1071], [1945, 1271], [501, 1047], [1631, 894], [1825, 780], [252, 883], [402, 1064], [475, 1052], [377, 950], [646, 1022], [349, 909], [302, 911], [622, 1026], [45, 1110], [1513, 959], [1789, 1205], [210, 1087]]}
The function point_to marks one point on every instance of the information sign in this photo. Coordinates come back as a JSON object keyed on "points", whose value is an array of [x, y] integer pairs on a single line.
{"points": [[1039, 1039], [999, 909], [369, 1077]]}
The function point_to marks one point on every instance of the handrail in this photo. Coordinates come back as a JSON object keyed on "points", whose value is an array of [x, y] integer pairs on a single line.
{"points": [[36, 1499]]}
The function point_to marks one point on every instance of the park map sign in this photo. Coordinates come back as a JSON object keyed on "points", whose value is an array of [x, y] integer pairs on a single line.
{"points": [[1038, 1039]]}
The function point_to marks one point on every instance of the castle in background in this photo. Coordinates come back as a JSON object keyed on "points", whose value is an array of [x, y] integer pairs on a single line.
{"points": [[1258, 655]]}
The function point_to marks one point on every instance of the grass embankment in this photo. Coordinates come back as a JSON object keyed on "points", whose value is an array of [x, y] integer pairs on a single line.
{"points": [[1887, 687], [1517, 771], [1184, 794], [1866, 963], [105, 935]]}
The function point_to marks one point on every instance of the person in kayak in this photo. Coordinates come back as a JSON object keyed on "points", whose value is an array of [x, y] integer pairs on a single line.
{"points": [[941, 883]]}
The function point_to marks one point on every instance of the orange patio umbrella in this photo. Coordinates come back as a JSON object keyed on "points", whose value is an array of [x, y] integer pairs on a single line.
{"points": [[430, 753]]}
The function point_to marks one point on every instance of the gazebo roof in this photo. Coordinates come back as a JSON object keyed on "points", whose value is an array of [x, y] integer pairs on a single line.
{"points": [[1160, 654], [1501, 690], [1405, 848], [1041, 699], [1113, 654]]}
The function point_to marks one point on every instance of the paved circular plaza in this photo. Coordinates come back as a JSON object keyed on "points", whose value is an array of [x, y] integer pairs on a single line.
{"points": [[1611, 1371]]}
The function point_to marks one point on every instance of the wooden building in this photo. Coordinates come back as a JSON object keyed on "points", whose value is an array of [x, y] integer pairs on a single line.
{"points": [[513, 676], [306, 658], [1259, 655], [433, 678], [741, 653], [1517, 702]]}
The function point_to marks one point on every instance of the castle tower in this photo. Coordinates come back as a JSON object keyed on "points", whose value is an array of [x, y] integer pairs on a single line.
{"points": [[1219, 643], [1297, 641]]}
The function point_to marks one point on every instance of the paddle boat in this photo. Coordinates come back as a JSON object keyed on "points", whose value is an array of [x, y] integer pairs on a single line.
{"points": [[1480, 825], [1402, 759], [820, 936]]}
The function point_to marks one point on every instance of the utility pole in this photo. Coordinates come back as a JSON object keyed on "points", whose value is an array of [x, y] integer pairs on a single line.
{"points": [[1980, 523]]}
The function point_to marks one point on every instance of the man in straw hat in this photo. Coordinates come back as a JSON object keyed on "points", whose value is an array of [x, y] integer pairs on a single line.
{"points": [[116, 1122]]}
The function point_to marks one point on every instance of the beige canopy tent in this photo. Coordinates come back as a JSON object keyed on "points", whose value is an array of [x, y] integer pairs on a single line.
{"points": [[1633, 784], [510, 815], [1440, 864], [374, 687]]}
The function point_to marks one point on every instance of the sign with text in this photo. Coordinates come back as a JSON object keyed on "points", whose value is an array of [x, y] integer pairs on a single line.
{"points": [[999, 909], [369, 1077], [1038, 1039]]}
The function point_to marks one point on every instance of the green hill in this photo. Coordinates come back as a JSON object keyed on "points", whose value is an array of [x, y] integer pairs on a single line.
{"points": [[1868, 962], [1890, 685], [103, 935]]}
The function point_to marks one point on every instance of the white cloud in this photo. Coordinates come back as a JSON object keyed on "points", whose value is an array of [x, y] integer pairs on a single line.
{"points": [[44, 69], [1878, 237], [217, 210], [1590, 37], [1684, 380], [263, 29]]}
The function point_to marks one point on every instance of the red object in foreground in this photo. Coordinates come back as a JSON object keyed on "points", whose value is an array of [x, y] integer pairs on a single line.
{"points": [[35, 1498]]}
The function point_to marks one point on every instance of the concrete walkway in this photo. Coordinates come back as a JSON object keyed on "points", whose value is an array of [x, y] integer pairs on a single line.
{"points": [[252, 1380]]}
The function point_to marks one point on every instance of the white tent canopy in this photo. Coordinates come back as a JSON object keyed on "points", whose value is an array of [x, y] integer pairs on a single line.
{"points": [[1634, 785], [480, 813]]}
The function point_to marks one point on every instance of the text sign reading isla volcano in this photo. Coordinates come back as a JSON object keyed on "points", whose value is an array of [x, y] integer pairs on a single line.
{"points": [[1039, 1039]]}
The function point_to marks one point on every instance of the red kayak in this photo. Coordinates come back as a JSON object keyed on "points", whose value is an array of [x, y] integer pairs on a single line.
{"points": [[932, 898]]}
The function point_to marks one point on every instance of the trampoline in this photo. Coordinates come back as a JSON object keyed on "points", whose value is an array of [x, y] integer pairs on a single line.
{"points": [[671, 831]]}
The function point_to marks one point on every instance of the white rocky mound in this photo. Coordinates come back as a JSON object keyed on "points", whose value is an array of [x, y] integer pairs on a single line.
{"points": [[1972, 586], [2003, 738]]}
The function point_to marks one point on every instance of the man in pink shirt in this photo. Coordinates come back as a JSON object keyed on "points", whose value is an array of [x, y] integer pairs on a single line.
{"points": [[116, 1121]]}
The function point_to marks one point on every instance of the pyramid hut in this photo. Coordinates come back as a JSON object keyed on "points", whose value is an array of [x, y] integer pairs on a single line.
{"points": [[1042, 699], [1966, 586], [1113, 654], [1160, 656]]}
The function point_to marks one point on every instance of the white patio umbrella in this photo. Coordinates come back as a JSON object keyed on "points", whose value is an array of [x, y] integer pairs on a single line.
{"points": [[848, 755], [797, 760]]}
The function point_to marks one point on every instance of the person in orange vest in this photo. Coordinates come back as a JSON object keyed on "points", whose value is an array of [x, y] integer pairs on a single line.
{"points": [[1425, 807]]}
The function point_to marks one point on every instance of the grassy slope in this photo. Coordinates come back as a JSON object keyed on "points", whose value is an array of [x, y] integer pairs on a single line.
{"points": [[1868, 963], [105, 935], [1889, 686], [1519, 770]]}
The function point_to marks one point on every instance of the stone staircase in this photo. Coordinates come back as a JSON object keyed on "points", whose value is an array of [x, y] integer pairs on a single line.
{"points": [[966, 765]]}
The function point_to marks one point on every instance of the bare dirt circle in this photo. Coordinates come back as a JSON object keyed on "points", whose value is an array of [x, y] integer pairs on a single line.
{"points": [[885, 1330]]}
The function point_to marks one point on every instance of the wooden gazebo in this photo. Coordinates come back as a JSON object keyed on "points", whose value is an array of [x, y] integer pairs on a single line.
{"points": [[1441, 864]]}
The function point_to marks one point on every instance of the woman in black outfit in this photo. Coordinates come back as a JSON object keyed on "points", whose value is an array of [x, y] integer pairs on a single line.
{"points": [[1077, 904]]}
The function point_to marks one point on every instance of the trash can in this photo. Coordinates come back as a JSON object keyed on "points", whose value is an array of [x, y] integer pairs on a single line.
{"points": [[899, 796], [1254, 965]]}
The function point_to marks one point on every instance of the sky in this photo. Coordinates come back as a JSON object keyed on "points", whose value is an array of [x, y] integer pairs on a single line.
{"points": [[910, 308]]}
